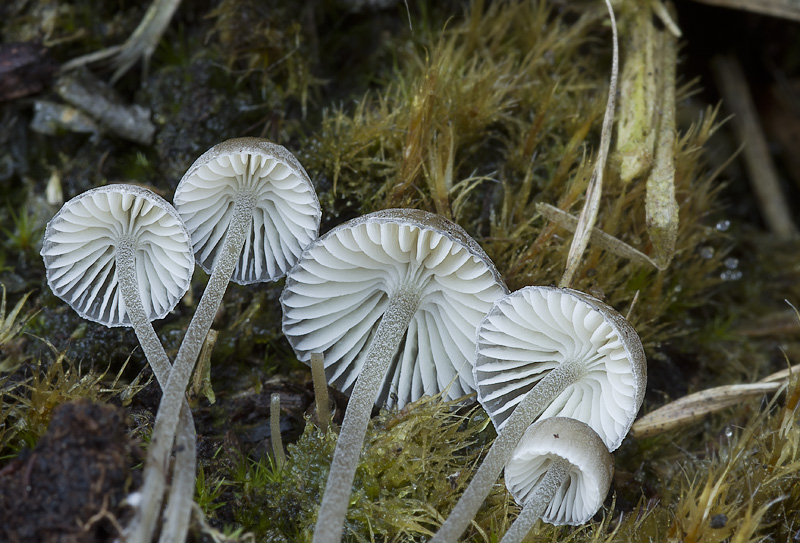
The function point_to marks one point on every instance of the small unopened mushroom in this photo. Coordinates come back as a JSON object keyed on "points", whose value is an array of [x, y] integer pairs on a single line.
{"points": [[560, 472], [121, 256], [546, 351], [392, 299], [250, 209]]}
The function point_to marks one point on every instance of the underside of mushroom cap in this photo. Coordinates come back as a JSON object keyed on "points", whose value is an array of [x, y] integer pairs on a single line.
{"points": [[79, 252], [286, 217], [336, 295], [589, 476], [536, 329]]}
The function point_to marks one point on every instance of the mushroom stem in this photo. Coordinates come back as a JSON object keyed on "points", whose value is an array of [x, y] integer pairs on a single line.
{"points": [[182, 488], [167, 416], [320, 391], [275, 430], [540, 498], [394, 323], [532, 405]]}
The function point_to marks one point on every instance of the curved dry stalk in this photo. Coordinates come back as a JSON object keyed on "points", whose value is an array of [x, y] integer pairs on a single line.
{"points": [[588, 215]]}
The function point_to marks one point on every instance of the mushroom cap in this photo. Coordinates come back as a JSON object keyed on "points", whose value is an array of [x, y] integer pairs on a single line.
{"points": [[286, 216], [334, 299], [79, 252], [535, 329], [589, 475]]}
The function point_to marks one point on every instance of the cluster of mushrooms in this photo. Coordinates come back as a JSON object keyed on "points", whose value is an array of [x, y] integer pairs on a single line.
{"points": [[401, 303]]}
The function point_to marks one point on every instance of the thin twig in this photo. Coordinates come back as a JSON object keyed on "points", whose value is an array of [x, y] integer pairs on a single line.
{"points": [[598, 237]]}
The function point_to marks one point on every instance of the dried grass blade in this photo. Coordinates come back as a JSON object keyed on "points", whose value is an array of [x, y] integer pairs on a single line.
{"points": [[588, 215], [598, 237], [661, 206], [690, 408]]}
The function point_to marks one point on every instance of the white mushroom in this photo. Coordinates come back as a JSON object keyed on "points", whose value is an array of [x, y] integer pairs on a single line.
{"points": [[251, 209], [121, 256], [264, 177], [560, 472], [392, 299], [111, 234], [551, 352], [589, 352]]}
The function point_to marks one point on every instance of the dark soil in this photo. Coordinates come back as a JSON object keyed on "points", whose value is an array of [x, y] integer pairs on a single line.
{"points": [[70, 488]]}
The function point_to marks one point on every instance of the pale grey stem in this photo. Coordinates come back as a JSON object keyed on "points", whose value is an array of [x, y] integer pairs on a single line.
{"points": [[388, 335], [320, 391], [167, 416], [182, 489], [534, 403], [537, 504], [181, 492], [275, 429]]}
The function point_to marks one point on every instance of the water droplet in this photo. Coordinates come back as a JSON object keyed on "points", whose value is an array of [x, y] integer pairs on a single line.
{"points": [[707, 252], [729, 432], [730, 275], [677, 288], [718, 521], [731, 263], [723, 225]]}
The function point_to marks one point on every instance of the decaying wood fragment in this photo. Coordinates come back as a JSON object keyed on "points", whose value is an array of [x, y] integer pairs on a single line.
{"points": [[646, 131], [638, 97], [89, 94], [25, 69]]}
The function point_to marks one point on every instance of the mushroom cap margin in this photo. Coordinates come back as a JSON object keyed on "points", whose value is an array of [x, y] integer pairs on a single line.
{"points": [[512, 356]]}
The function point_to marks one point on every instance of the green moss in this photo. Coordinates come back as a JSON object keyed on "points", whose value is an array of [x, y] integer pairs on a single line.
{"points": [[415, 463], [30, 393]]}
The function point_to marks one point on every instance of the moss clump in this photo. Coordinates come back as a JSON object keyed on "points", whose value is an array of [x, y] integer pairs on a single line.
{"points": [[486, 120], [415, 464], [29, 395]]}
